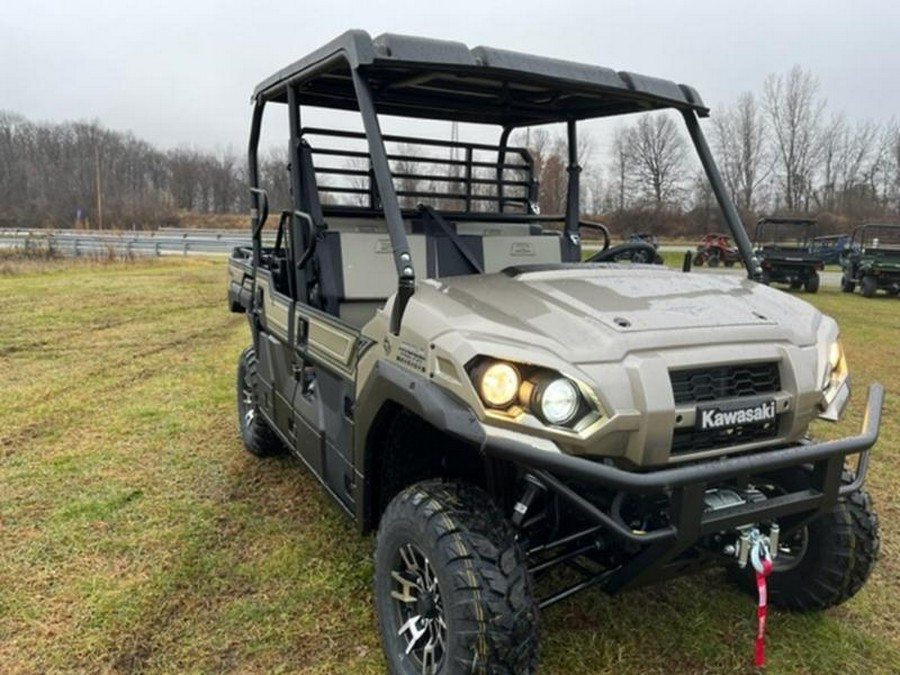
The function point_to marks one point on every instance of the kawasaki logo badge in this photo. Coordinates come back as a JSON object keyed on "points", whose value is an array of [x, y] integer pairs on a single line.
{"points": [[722, 416]]}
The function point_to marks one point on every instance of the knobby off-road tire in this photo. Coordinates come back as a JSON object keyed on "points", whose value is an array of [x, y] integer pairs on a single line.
{"points": [[449, 570], [847, 286], [829, 560], [714, 257], [869, 286], [258, 437], [812, 283]]}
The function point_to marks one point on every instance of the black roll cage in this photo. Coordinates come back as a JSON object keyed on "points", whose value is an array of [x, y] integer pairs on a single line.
{"points": [[805, 226], [859, 236], [436, 79]]}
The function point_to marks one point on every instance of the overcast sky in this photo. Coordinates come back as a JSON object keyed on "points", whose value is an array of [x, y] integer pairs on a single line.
{"points": [[180, 72]]}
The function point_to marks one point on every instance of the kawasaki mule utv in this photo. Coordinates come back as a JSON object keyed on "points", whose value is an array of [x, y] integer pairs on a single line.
{"points": [[437, 354], [784, 249], [874, 260]]}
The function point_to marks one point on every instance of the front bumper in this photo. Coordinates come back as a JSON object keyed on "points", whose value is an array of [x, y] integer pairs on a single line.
{"points": [[685, 486]]}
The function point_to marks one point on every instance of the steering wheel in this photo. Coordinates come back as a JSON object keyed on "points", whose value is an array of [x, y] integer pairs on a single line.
{"points": [[635, 251], [600, 227]]}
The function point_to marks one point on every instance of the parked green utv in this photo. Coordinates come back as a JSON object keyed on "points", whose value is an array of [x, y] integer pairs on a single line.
{"points": [[438, 356], [784, 247], [874, 260]]}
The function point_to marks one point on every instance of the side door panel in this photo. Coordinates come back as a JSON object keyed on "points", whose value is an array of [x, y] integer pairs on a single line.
{"points": [[325, 359], [274, 357]]}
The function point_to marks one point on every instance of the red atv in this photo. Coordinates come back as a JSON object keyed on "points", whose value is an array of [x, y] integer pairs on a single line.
{"points": [[716, 248]]}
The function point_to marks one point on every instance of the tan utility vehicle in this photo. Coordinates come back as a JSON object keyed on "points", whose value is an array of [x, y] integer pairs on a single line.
{"points": [[443, 362]]}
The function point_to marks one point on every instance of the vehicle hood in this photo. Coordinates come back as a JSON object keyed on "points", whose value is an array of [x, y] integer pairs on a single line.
{"points": [[601, 312]]}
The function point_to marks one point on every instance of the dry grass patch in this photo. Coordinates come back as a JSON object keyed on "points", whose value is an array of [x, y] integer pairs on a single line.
{"points": [[137, 536]]}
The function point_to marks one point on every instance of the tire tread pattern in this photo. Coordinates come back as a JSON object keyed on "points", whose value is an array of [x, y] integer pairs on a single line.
{"points": [[258, 437], [492, 604], [840, 562]]}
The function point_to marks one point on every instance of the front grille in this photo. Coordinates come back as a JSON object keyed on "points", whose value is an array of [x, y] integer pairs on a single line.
{"points": [[697, 440], [700, 385]]}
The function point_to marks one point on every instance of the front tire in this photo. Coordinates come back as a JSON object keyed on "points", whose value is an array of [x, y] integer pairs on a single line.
{"points": [[258, 437], [847, 284], [869, 286], [451, 585], [827, 561]]}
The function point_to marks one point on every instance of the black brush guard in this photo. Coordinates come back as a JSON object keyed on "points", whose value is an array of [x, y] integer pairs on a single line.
{"points": [[686, 486]]}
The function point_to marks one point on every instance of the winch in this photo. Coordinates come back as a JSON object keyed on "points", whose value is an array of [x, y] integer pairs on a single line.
{"points": [[760, 549]]}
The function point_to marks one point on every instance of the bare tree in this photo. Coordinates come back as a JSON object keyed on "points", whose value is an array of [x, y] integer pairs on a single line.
{"points": [[740, 141], [850, 164], [594, 188], [657, 157], [407, 168], [794, 110], [887, 159], [621, 168], [275, 178]]}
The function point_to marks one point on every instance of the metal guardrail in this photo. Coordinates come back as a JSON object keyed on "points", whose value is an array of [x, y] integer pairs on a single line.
{"points": [[163, 242]]}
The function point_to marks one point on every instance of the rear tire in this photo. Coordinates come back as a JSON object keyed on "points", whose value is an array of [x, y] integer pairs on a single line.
{"points": [[451, 585], [828, 561], [699, 260], [714, 259], [869, 286], [258, 437], [812, 283]]}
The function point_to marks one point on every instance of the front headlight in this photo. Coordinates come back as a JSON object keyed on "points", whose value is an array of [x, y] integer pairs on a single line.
{"points": [[837, 365], [516, 389], [836, 384], [498, 384], [556, 401]]}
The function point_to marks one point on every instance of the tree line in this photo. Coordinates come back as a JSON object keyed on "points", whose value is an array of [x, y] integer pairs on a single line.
{"points": [[80, 174], [779, 151]]}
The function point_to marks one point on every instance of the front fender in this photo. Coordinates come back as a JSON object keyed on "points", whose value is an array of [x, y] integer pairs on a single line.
{"points": [[389, 384]]}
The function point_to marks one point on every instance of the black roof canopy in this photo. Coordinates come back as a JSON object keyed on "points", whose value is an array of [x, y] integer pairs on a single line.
{"points": [[439, 79]]}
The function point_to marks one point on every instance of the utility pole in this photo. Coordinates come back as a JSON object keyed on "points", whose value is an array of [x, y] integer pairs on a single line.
{"points": [[99, 189]]}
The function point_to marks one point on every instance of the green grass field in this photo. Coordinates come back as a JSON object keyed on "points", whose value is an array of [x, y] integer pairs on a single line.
{"points": [[136, 535]]}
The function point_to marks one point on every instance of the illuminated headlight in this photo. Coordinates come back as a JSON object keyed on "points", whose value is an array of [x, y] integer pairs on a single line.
{"points": [[517, 390], [498, 384], [837, 365], [556, 401], [836, 384]]}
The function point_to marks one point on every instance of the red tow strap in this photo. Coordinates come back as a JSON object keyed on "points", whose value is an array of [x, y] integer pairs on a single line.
{"points": [[760, 660]]}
